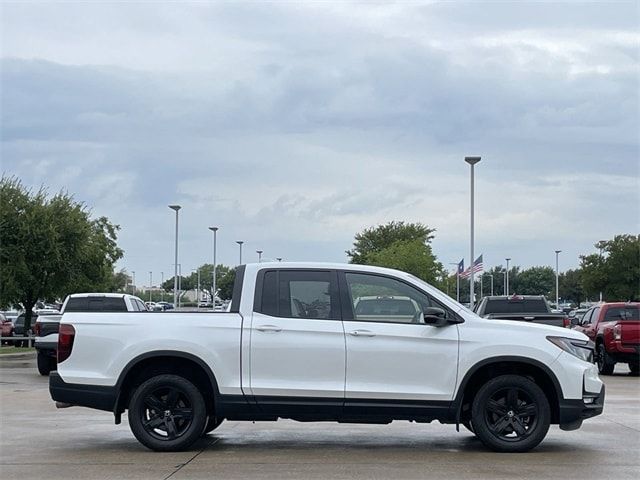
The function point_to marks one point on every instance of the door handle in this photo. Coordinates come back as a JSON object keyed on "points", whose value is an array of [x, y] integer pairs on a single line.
{"points": [[269, 328], [362, 333]]}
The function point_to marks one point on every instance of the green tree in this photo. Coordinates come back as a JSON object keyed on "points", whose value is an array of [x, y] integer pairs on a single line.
{"points": [[378, 238], [570, 286], [411, 256], [225, 285], [50, 247], [535, 281], [615, 271]]}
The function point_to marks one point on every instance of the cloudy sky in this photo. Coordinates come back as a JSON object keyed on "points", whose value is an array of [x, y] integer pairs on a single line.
{"points": [[292, 126]]}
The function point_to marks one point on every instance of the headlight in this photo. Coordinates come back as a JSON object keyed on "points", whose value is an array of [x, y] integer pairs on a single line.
{"points": [[583, 349]]}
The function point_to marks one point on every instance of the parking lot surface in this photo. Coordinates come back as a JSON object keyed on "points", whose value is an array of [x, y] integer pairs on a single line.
{"points": [[39, 441]]}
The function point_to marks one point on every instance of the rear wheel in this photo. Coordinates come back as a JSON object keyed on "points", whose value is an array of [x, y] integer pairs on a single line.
{"points": [[511, 413], [44, 364], [167, 413], [604, 360]]}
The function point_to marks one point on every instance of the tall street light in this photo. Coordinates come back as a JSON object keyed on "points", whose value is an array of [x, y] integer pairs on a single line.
{"points": [[133, 282], [240, 242], [471, 161], [491, 278], [506, 288], [161, 286], [213, 285], [557, 290], [259, 252], [175, 264], [150, 284]]}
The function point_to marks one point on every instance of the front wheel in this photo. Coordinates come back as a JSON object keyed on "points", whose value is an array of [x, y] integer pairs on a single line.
{"points": [[511, 413], [167, 413], [604, 360]]}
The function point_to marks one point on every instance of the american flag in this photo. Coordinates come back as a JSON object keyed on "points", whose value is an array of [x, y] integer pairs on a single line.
{"points": [[477, 267]]}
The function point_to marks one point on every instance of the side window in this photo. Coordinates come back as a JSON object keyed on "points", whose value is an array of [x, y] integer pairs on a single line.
{"points": [[300, 294], [381, 299], [586, 320], [140, 307], [595, 315]]}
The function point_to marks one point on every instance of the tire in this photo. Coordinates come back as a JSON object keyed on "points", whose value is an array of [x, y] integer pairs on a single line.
{"points": [[167, 413], [634, 369], [510, 413], [605, 363], [212, 424], [44, 364]]}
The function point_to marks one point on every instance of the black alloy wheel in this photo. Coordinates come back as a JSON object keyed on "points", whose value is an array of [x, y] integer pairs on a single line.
{"points": [[511, 413], [604, 361], [167, 413]]}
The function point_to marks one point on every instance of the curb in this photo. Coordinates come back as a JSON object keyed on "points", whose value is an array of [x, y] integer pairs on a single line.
{"points": [[18, 355]]}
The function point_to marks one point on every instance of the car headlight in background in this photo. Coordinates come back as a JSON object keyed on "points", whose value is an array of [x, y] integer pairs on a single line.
{"points": [[583, 349]]}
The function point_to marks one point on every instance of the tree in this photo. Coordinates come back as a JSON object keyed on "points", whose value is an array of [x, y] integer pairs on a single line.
{"points": [[615, 271], [190, 282], [50, 247], [378, 238], [535, 281], [411, 256], [570, 286], [225, 284]]}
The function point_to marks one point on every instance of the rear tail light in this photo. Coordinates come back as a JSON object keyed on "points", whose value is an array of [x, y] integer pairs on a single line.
{"points": [[566, 323], [37, 328], [65, 341], [617, 332]]}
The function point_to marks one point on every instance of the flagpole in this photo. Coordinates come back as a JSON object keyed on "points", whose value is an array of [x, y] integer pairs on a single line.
{"points": [[457, 286]]}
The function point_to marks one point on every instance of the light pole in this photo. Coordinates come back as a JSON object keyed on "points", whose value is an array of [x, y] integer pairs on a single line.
{"points": [[471, 161], [179, 282], [259, 252], [175, 264], [557, 289], [150, 284], [240, 242], [133, 282], [197, 270], [506, 288], [213, 284], [161, 286]]}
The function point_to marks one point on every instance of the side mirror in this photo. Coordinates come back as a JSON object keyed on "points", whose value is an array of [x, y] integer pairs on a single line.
{"points": [[575, 321], [435, 316]]}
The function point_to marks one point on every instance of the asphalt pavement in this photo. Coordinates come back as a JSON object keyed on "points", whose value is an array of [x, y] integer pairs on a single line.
{"points": [[41, 442]]}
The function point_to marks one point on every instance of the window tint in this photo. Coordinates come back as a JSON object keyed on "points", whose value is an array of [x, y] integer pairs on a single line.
{"points": [[77, 304], [300, 294], [141, 307], [587, 317], [595, 315], [622, 314], [382, 299], [504, 305]]}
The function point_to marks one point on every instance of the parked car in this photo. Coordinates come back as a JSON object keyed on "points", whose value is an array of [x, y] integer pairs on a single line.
{"points": [[525, 308], [46, 343], [293, 346], [575, 316], [7, 328], [615, 329], [47, 326], [165, 305]]}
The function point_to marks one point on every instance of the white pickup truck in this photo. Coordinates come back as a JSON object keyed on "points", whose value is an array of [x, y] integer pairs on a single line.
{"points": [[327, 342]]}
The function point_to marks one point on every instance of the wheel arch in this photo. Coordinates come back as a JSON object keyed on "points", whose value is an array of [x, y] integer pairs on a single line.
{"points": [[489, 368], [158, 362]]}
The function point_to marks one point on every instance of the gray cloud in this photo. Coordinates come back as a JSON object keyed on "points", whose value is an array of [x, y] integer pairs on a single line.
{"points": [[294, 126]]}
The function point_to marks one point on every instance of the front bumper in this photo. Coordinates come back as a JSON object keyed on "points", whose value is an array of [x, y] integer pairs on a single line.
{"points": [[92, 396], [573, 412]]}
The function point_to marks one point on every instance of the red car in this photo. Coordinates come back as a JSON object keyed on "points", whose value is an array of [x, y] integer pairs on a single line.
{"points": [[615, 329], [7, 327]]}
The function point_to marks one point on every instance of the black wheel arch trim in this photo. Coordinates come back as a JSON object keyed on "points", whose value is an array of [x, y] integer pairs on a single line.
{"points": [[457, 401]]}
